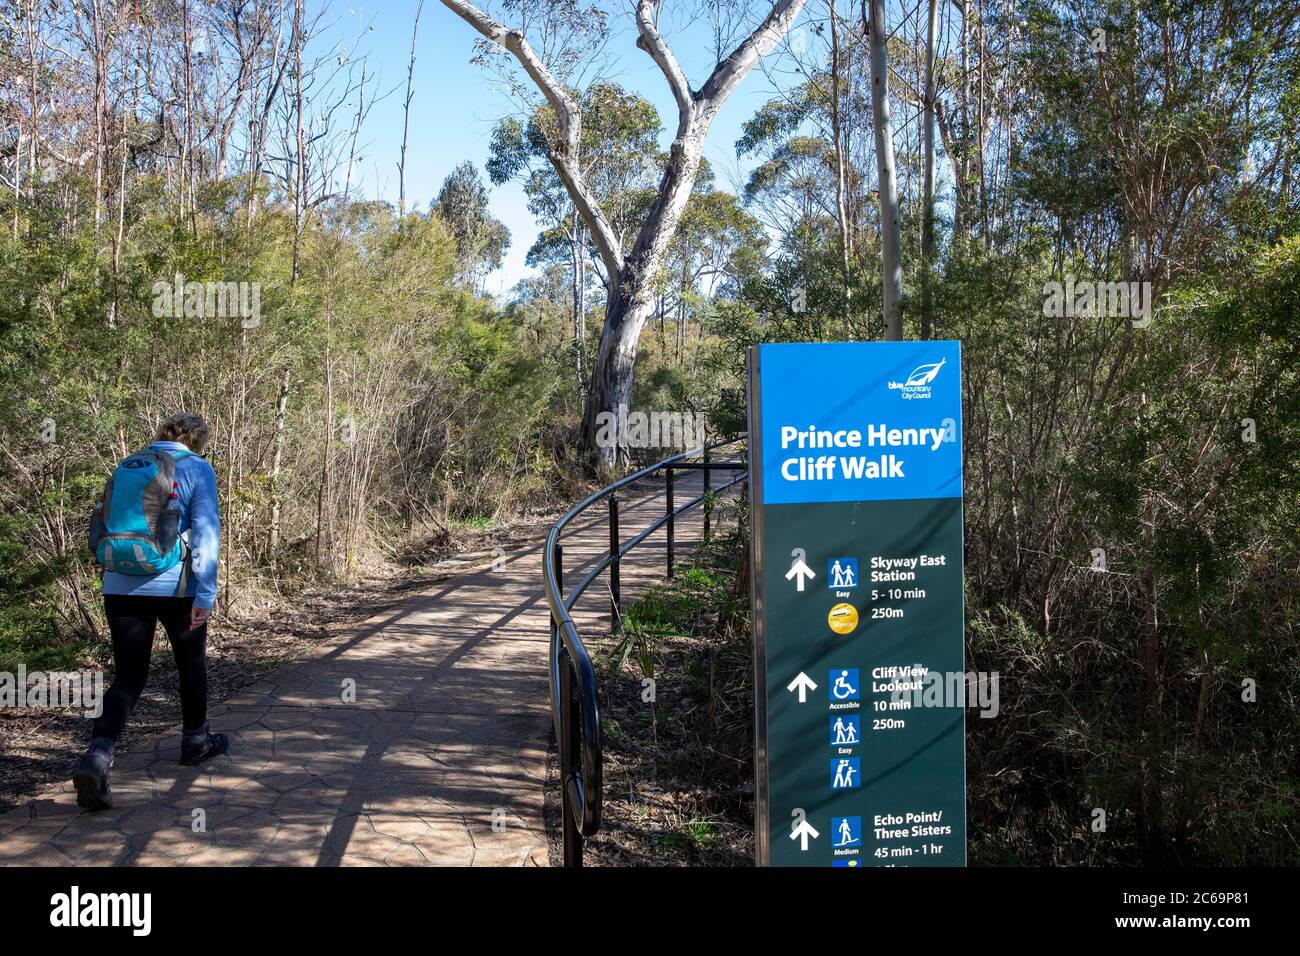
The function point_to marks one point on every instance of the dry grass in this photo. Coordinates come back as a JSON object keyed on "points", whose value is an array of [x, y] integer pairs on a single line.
{"points": [[679, 768]]}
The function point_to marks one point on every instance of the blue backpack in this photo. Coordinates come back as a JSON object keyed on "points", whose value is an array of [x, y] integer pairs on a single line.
{"points": [[135, 528]]}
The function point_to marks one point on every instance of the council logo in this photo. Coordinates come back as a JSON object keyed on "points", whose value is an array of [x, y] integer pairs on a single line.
{"points": [[917, 385]]}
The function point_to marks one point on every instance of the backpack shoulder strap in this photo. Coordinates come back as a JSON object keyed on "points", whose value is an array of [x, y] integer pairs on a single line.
{"points": [[182, 582]]}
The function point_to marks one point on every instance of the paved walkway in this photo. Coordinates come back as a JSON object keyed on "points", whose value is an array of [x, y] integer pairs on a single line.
{"points": [[440, 760]]}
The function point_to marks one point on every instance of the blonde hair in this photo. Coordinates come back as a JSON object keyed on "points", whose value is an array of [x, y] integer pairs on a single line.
{"points": [[185, 427]]}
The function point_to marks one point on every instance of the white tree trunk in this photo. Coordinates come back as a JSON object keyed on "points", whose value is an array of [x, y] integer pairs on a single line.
{"points": [[927, 226], [891, 255], [277, 493], [632, 302], [578, 253], [406, 118], [841, 169]]}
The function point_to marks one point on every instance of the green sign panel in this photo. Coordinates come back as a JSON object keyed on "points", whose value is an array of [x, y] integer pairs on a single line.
{"points": [[855, 463]]}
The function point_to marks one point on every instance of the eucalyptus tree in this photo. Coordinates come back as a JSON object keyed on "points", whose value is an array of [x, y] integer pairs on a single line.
{"points": [[620, 159], [481, 240], [718, 246], [633, 271]]}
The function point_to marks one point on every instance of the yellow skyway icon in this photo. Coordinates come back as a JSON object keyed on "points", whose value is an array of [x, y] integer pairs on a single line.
{"points": [[843, 618]]}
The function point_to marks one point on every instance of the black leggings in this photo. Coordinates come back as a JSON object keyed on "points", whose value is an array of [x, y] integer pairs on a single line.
{"points": [[132, 620]]}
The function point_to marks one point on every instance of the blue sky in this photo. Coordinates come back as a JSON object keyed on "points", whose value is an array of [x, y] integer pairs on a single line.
{"points": [[456, 105]]}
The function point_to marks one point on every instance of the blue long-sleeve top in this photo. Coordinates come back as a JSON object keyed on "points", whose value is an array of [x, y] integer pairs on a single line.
{"points": [[196, 487]]}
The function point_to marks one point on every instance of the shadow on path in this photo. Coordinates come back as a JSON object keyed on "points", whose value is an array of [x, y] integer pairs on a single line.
{"points": [[419, 739]]}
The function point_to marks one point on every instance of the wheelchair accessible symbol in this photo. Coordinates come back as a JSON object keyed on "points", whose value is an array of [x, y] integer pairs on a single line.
{"points": [[844, 684]]}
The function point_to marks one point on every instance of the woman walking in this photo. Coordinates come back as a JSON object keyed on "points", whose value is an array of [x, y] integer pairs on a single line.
{"points": [[157, 533]]}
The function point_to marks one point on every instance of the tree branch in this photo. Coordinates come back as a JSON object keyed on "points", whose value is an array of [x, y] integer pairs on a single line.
{"points": [[653, 43], [727, 75], [563, 155]]}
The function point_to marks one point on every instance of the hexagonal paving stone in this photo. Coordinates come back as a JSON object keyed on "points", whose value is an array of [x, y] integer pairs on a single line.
{"points": [[447, 737]]}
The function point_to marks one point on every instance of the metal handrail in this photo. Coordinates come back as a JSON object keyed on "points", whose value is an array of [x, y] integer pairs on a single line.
{"points": [[575, 710]]}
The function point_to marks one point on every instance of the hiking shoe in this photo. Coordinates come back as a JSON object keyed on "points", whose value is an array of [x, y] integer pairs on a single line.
{"points": [[91, 781], [214, 745]]}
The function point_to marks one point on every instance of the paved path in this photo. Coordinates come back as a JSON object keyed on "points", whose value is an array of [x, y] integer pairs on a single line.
{"points": [[448, 735]]}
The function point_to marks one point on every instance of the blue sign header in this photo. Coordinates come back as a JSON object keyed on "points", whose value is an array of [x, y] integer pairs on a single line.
{"points": [[860, 421]]}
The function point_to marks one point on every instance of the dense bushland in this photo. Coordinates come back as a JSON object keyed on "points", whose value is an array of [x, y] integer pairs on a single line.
{"points": [[373, 398], [1132, 474]]}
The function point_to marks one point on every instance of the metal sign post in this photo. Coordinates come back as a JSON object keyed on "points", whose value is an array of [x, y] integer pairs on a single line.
{"points": [[856, 484]]}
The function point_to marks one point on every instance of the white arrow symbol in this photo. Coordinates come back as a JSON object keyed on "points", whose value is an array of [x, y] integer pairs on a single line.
{"points": [[799, 570], [801, 831], [803, 683]]}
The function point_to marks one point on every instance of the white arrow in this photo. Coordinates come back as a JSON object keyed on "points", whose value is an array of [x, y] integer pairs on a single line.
{"points": [[799, 570], [801, 831], [803, 683]]}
